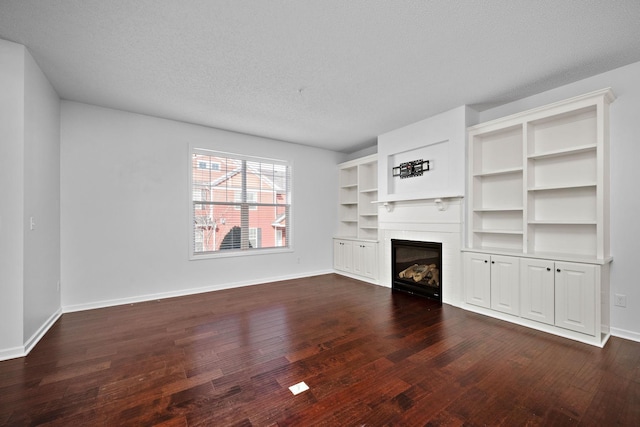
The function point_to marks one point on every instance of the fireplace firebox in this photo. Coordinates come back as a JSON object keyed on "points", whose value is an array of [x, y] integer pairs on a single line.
{"points": [[416, 268]]}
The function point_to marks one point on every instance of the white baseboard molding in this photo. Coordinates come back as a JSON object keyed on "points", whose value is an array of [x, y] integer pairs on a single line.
{"points": [[37, 336], [184, 292], [357, 277], [15, 352], [623, 333], [11, 353]]}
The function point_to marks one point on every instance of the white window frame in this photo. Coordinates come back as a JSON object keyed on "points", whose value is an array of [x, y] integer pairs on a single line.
{"points": [[244, 252]]}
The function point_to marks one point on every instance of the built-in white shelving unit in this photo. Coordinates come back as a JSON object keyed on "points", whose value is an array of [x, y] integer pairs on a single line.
{"points": [[538, 189], [355, 245]]}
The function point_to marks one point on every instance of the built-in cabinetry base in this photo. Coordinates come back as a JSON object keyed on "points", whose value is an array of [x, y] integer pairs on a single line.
{"points": [[538, 218], [570, 299], [356, 258], [355, 248]]}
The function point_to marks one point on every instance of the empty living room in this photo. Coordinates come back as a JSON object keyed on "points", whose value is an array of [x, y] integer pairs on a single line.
{"points": [[319, 213]]}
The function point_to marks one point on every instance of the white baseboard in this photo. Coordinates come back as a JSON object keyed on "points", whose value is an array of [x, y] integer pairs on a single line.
{"points": [[37, 336], [15, 352], [623, 333], [184, 292], [11, 353]]}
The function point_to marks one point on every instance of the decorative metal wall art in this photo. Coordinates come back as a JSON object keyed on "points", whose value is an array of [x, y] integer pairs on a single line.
{"points": [[410, 169]]}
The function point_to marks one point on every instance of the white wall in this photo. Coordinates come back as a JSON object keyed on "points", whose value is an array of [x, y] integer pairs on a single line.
{"points": [[625, 176], [11, 197], [29, 186], [125, 209], [41, 201], [439, 139]]}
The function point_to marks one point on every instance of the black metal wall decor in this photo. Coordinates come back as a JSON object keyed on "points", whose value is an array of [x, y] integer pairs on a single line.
{"points": [[410, 169]]}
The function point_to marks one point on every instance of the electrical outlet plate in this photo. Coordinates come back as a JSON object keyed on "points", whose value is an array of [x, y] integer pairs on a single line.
{"points": [[620, 300]]}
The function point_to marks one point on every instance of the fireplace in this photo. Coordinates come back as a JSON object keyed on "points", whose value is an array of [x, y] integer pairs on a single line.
{"points": [[416, 268]]}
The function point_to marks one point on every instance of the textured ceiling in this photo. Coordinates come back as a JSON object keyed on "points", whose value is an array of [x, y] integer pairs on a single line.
{"points": [[327, 73]]}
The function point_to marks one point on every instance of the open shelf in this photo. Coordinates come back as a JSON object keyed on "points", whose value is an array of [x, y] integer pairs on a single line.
{"points": [[563, 187], [542, 177], [358, 186], [562, 222], [563, 152], [500, 171]]}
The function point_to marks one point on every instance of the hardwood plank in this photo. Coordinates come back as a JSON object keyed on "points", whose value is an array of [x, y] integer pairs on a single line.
{"points": [[370, 357]]}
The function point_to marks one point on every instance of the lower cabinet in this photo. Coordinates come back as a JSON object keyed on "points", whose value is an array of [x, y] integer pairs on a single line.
{"points": [[357, 257], [566, 296], [343, 255], [495, 282]]}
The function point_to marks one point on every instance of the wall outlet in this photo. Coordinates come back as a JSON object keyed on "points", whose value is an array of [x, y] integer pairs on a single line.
{"points": [[620, 300], [32, 223]]}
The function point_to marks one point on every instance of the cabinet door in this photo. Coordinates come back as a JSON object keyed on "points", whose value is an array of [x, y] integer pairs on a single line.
{"points": [[365, 259], [575, 297], [505, 283], [477, 279], [342, 255], [537, 290]]}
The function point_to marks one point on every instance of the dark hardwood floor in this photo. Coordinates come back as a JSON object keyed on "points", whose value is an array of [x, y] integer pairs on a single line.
{"points": [[369, 356]]}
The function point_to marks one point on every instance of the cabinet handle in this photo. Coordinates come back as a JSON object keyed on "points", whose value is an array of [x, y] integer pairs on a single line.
{"points": [[485, 261], [548, 269], [558, 270], [493, 262]]}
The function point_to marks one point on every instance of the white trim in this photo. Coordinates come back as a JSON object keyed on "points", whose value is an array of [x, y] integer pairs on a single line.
{"points": [[625, 334], [192, 255], [37, 336], [185, 292], [24, 350], [12, 353]]}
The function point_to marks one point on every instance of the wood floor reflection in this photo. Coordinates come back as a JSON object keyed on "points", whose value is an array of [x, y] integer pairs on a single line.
{"points": [[369, 356]]}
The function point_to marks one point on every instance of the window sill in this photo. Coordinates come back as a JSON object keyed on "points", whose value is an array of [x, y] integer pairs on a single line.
{"points": [[238, 253]]}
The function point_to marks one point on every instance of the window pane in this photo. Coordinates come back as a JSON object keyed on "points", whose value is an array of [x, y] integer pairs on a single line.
{"points": [[238, 204]]}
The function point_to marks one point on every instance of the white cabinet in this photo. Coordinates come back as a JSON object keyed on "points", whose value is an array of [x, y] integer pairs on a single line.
{"points": [[538, 190], [505, 289], [365, 259], [560, 293], [477, 280], [356, 257], [343, 255], [355, 247], [492, 281], [538, 290], [565, 298], [575, 297]]}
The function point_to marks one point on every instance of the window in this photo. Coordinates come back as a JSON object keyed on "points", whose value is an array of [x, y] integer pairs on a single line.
{"points": [[252, 198], [239, 204]]}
